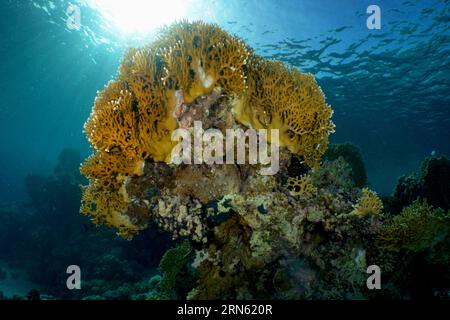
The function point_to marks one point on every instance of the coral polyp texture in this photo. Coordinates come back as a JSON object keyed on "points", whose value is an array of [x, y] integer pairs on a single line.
{"points": [[192, 71], [285, 99]]}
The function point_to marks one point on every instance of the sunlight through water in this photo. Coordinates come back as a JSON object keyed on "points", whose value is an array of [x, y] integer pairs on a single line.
{"points": [[140, 16]]}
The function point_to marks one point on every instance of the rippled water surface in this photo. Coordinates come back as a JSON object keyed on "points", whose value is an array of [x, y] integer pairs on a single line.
{"points": [[390, 88]]}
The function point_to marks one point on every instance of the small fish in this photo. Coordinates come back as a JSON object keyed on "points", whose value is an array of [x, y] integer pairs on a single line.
{"points": [[433, 153]]}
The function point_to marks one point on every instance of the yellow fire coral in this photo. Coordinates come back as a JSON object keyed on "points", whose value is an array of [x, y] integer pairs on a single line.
{"points": [[199, 57], [286, 99], [134, 116], [369, 203], [300, 186], [105, 198], [418, 226]]}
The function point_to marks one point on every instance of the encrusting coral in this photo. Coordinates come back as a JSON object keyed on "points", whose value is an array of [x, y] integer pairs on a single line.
{"points": [[311, 241]]}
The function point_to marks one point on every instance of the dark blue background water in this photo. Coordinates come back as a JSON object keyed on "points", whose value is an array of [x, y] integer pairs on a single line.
{"points": [[390, 88]]}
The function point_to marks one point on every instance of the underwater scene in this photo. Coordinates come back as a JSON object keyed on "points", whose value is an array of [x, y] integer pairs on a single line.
{"points": [[225, 150]]}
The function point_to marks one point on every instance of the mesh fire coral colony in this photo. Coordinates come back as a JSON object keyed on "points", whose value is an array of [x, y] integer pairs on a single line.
{"points": [[192, 72]]}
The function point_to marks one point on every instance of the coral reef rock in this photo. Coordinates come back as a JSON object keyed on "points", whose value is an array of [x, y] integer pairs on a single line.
{"points": [[193, 73]]}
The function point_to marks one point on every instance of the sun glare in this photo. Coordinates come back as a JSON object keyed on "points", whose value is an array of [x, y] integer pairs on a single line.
{"points": [[141, 16]]}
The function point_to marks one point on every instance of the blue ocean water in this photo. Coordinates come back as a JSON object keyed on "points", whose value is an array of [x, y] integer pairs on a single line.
{"points": [[389, 88]]}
